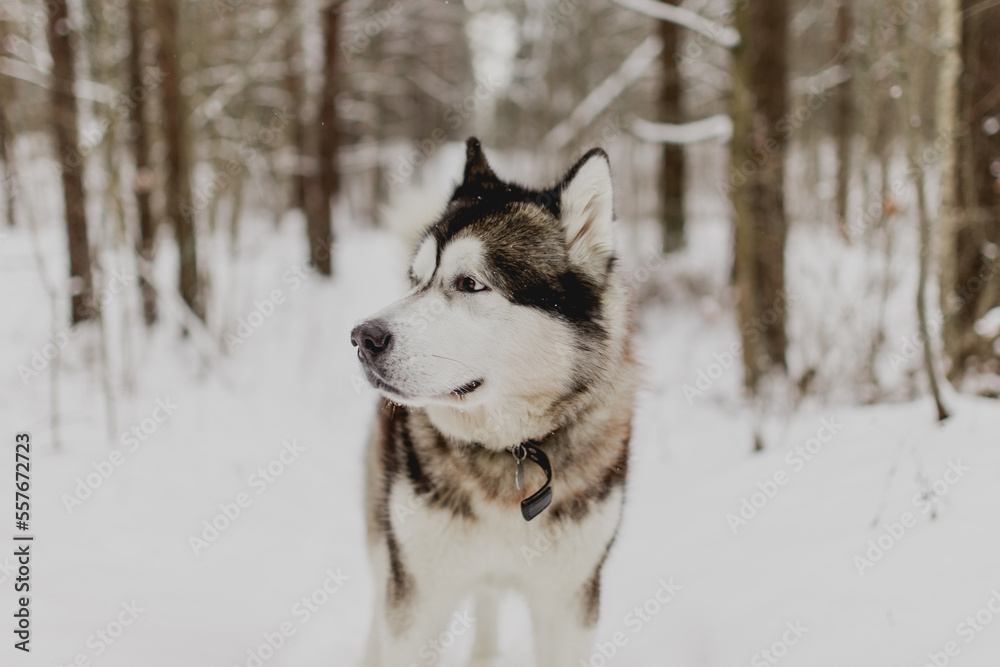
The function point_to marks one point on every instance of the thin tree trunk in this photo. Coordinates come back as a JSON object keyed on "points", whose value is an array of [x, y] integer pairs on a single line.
{"points": [[64, 123], [843, 115], [7, 152], [294, 87], [947, 131], [970, 271], [672, 160], [179, 207], [912, 85], [7, 135], [324, 184], [756, 184], [140, 149], [925, 251]]}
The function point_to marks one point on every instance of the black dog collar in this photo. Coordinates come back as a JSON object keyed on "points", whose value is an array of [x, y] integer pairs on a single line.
{"points": [[536, 503]]}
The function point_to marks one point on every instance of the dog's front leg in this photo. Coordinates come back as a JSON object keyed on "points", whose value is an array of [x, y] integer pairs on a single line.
{"points": [[416, 630], [565, 619], [484, 648]]}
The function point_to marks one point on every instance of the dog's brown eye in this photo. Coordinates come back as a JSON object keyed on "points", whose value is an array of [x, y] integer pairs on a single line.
{"points": [[469, 284]]}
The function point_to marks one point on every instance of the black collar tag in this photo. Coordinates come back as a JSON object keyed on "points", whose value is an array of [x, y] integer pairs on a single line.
{"points": [[536, 503]]}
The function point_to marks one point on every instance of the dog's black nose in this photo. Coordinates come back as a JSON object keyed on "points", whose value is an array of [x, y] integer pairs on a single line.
{"points": [[371, 339]]}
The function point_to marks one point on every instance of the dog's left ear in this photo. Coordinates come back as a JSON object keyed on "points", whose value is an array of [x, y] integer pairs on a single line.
{"points": [[478, 175], [586, 211]]}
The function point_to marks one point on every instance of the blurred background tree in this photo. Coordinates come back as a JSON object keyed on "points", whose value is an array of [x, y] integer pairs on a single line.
{"points": [[782, 117]]}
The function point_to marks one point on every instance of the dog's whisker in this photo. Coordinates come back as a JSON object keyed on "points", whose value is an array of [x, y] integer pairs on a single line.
{"points": [[450, 359]]}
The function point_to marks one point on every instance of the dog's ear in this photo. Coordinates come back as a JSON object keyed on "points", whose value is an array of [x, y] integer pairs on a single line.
{"points": [[478, 173], [586, 211]]}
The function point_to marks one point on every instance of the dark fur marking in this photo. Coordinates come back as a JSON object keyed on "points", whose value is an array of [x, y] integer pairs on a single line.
{"points": [[420, 483], [387, 456], [578, 507], [592, 589], [529, 261], [528, 253], [439, 495], [400, 583], [570, 295]]}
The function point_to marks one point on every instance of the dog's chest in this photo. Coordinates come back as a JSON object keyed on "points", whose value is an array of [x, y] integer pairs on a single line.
{"points": [[495, 542]]}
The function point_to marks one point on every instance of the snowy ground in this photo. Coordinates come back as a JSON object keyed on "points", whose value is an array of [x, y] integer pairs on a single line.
{"points": [[842, 479]]}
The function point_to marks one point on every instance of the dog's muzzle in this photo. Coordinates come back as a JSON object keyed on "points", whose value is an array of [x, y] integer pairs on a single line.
{"points": [[371, 339]]}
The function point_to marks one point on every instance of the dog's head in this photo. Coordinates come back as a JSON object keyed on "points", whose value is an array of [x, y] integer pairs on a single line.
{"points": [[507, 302]]}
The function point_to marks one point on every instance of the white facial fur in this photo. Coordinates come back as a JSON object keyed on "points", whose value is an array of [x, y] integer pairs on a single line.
{"points": [[424, 260], [444, 338]]}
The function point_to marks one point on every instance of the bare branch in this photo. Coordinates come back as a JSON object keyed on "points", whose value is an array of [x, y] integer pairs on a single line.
{"points": [[601, 97], [719, 126], [721, 34]]}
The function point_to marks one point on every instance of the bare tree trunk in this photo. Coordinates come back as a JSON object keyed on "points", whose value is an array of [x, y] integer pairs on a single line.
{"points": [[7, 152], [756, 184], [925, 250], [843, 115], [7, 133], [912, 84], [325, 182], [294, 87], [179, 207], [672, 161], [64, 123], [140, 149], [970, 269]]}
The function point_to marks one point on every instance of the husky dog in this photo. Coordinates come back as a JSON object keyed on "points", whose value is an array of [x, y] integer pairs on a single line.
{"points": [[500, 454]]}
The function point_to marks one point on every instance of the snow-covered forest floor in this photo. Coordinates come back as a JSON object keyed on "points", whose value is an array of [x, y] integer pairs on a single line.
{"points": [[866, 536]]}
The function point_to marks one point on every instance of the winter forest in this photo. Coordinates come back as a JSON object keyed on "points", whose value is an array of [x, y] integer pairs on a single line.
{"points": [[200, 200]]}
